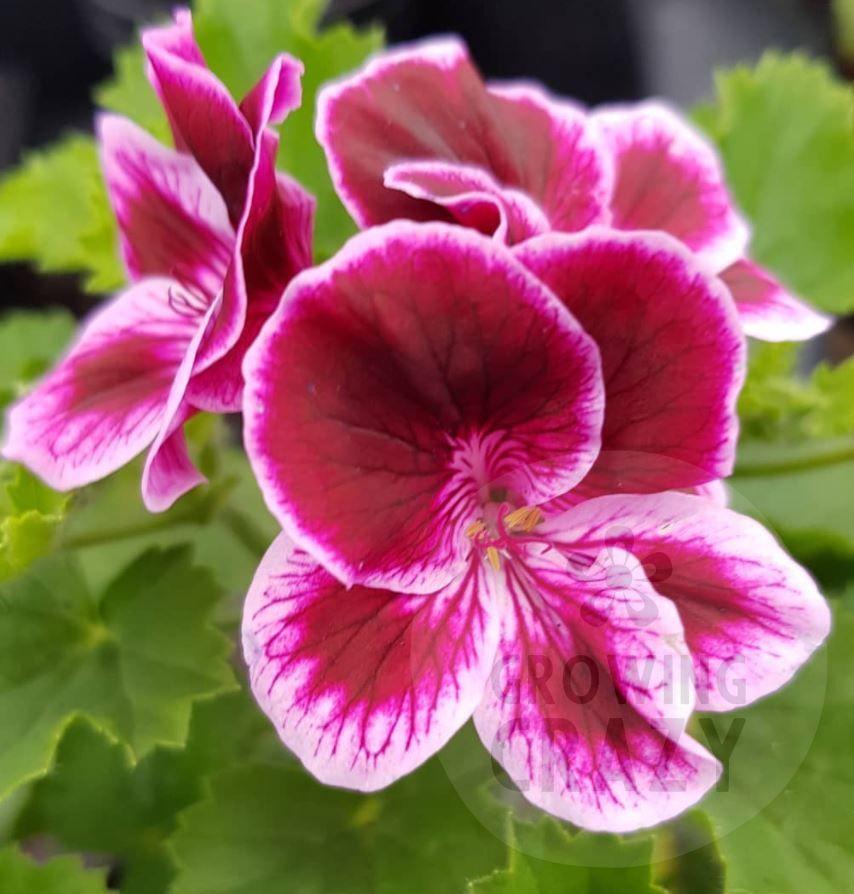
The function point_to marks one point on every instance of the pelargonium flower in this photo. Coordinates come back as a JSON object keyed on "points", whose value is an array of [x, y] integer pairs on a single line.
{"points": [[210, 234], [417, 134], [413, 410]]}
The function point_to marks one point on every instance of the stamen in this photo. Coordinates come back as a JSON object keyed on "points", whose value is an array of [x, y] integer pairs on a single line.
{"points": [[493, 557], [523, 520], [475, 529]]}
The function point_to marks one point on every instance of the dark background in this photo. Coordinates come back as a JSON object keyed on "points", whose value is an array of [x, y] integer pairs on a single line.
{"points": [[52, 52]]}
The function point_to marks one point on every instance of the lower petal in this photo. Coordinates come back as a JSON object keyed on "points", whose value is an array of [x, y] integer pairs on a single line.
{"points": [[105, 401], [169, 472], [364, 685], [752, 615], [768, 311], [587, 706]]}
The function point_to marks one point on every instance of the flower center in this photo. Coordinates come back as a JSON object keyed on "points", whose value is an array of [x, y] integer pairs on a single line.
{"points": [[500, 531]]}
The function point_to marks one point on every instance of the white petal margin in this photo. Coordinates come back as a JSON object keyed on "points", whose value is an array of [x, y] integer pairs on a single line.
{"points": [[364, 685]]}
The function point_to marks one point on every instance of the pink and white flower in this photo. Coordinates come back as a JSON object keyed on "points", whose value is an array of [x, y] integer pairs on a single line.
{"points": [[416, 412], [210, 235], [417, 134]]}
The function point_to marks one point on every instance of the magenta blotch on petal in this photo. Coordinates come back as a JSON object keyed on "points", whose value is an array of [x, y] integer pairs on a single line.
{"points": [[672, 353], [395, 385]]}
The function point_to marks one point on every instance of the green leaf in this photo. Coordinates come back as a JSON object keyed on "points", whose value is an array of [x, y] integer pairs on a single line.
{"points": [[95, 800], [828, 555], [545, 858], [803, 840], [422, 822], [687, 857], [30, 514], [230, 729], [272, 829], [786, 133], [134, 659], [204, 516], [29, 342], [64, 875], [54, 212], [238, 43], [805, 492], [779, 404]]}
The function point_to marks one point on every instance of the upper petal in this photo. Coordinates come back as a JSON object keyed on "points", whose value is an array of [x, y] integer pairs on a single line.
{"points": [[364, 685], [205, 120], [672, 354], [587, 706], [394, 383], [668, 177], [276, 95], [427, 102], [172, 221], [752, 616], [273, 244], [767, 309], [105, 401], [472, 198]]}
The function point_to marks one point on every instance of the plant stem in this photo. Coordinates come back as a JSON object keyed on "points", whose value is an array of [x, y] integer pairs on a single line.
{"points": [[796, 464], [149, 526], [245, 530]]}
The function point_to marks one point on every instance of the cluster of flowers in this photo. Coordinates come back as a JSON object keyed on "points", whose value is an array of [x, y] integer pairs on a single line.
{"points": [[492, 428]]}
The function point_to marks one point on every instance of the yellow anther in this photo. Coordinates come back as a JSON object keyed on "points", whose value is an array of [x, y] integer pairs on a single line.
{"points": [[493, 557], [475, 529], [523, 520]]}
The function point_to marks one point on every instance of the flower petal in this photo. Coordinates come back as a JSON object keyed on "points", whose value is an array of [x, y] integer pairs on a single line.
{"points": [[205, 120], [364, 685], [273, 245], [472, 198], [752, 616], [668, 177], [768, 311], [276, 95], [427, 102], [417, 367], [672, 354], [590, 697], [105, 401], [169, 472], [714, 491], [172, 221]]}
